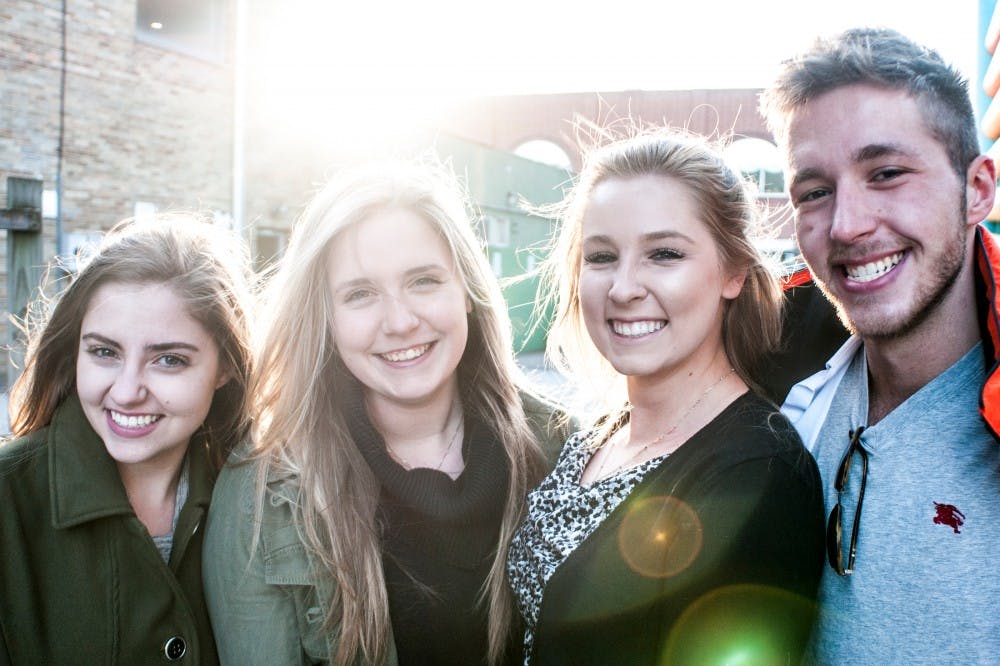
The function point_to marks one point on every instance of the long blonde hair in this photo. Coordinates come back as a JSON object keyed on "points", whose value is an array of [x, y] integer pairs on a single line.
{"points": [[300, 381], [752, 321]]}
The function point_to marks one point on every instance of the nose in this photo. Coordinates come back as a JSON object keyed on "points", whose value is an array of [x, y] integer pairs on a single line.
{"points": [[398, 316], [626, 284], [129, 386], [852, 216]]}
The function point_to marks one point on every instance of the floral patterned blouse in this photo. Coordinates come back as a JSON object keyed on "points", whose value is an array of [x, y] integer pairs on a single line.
{"points": [[561, 514]]}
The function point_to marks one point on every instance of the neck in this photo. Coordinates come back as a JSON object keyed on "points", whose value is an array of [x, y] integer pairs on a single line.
{"points": [[402, 422], [152, 492], [899, 367], [427, 435], [688, 393]]}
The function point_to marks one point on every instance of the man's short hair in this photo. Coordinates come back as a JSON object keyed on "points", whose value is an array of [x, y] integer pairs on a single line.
{"points": [[884, 58]]}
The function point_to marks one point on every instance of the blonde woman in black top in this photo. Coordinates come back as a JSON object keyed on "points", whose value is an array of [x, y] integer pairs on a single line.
{"points": [[686, 525]]}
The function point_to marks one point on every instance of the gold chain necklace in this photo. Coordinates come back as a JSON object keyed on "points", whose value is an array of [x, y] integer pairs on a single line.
{"points": [[659, 438], [451, 444]]}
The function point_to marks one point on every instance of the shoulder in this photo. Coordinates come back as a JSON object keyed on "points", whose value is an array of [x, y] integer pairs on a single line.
{"points": [[756, 419], [18, 456], [235, 484], [251, 524], [539, 409], [749, 456], [577, 444], [550, 423], [752, 432], [244, 477], [253, 492], [25, 486]]}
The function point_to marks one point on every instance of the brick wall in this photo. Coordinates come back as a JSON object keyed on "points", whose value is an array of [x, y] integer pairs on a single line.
{"points": [[142, 123]]}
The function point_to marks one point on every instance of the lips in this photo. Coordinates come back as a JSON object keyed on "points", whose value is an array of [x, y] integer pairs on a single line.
{"points": [[133, 421], [872, 270], [131, 425], [408, 354], [636, 329]]}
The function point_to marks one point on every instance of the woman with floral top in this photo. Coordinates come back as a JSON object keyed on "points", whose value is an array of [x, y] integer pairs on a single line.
{"points": [[686, 525]]}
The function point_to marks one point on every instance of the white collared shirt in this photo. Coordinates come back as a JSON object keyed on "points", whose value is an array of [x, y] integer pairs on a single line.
{"points": [[808, 402]]}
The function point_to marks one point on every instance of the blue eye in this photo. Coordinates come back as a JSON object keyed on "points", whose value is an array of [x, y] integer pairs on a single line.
{"points": [[102, 352], [172, 361]]}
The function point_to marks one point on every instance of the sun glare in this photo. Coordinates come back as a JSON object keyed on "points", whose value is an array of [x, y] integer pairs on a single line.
{"points": [[360, 79], [374, 72]]}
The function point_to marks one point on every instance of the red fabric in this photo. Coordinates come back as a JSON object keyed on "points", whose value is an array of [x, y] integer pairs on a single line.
{"points": [[796, 279], [988, 264]]}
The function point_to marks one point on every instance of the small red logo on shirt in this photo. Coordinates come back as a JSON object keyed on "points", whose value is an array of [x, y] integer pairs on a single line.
{"points": [[949, 515]]}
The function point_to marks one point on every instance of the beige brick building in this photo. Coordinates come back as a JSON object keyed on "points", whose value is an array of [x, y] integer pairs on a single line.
{"points": [[141, 121]]}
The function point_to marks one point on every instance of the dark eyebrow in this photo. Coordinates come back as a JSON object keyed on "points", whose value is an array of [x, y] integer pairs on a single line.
{"points": [[804, 175], [876, 150], [168, 346], [100, 338], [158, 347]]}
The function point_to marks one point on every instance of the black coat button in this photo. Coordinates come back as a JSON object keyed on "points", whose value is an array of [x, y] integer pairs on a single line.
{"points": [[175, 648]]}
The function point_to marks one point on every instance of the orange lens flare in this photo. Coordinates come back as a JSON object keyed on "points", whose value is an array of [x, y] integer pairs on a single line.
{"points": [[660, 537]]}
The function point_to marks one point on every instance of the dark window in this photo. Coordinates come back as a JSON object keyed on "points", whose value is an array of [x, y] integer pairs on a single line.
{"points": [[760, 163], [193, 27], [774, 182], [270, 247]]}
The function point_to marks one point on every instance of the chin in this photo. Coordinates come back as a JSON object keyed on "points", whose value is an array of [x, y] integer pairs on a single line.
{"points": [[633, 369]]}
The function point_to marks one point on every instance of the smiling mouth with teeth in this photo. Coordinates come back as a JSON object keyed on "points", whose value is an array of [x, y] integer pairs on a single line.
{"points": [[406, 354], [635, 329], [873, 269], [126, 421]]}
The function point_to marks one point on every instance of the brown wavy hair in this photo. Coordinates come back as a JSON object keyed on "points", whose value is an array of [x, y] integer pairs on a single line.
{"points": [[205, 266]]}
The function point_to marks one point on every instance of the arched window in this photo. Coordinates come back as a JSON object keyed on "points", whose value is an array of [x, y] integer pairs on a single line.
{"points": [[760, 163], [546, 152]]}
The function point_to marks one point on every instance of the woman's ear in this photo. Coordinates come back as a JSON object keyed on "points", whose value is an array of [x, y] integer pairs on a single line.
{"points": [[733, 285], [223, 378]]}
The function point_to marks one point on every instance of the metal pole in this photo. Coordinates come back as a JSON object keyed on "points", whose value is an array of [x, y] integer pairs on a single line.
{"points": [[59, 146], [239, 120]]}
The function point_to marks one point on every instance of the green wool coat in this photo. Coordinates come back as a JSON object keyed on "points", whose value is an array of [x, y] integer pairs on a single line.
{"points": [[82, 581]]}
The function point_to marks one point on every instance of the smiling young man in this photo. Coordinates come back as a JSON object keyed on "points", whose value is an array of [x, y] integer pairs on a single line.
{"points": [[888, 188]]}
